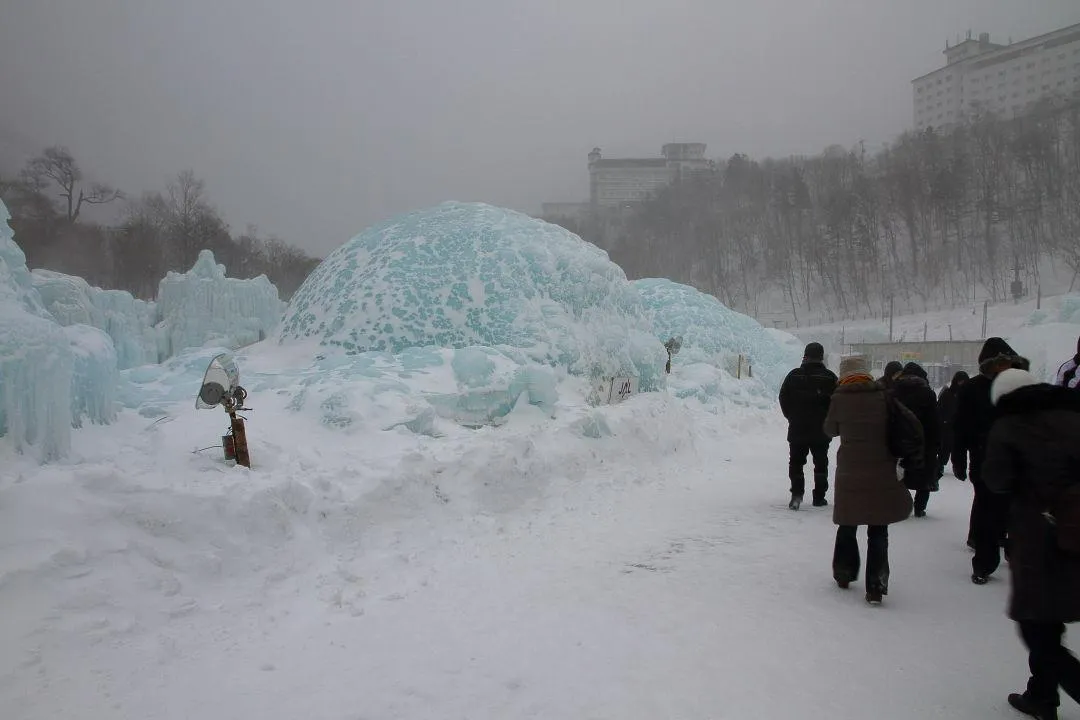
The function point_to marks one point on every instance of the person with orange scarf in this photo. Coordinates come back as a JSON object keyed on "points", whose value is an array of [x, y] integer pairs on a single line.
{"points": [[866, 490]]}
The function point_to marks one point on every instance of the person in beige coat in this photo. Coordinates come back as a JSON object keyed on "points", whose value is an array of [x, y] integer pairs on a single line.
{"points": [[867, 491]]}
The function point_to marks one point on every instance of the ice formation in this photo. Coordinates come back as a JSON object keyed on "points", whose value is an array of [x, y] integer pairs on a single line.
{"points": [[94, 375], [714, 334], [460, 275], [128, 321], [203, 306], [36, 361]]}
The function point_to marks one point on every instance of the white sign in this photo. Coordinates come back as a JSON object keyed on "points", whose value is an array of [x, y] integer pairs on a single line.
{"points": [[621, 388]]}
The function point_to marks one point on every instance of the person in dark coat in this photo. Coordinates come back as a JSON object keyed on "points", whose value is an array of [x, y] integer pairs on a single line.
{"points": [[947, 401], [974, 417], [1068, 375], [804, 400], [867, 489], [892, 369], [1033, 454], [913, 390]]}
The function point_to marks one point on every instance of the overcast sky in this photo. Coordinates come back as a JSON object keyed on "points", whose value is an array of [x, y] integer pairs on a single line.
{"points": [[315, 119]]}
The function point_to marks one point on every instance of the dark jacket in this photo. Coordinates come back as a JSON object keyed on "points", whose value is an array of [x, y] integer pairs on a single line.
{"points": [[915, 394], [947, 403], [804, 400], [1032, 453], [975, 413], [867, 489]]}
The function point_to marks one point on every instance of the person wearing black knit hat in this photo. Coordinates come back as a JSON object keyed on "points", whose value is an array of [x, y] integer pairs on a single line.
{"points": [[975, 415], [913, 390], [892, 369], [804, 400]]}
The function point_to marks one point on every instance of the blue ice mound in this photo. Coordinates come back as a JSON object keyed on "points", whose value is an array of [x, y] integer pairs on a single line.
{"points": [[126, 320], [35, 361], [204, 307], [715, 335], [461, 275]]}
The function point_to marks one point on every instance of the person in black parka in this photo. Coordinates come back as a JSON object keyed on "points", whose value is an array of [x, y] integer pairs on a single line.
{"points": [[912, 389], [892, 369], [975, 416], [1033, 455], [947, 401], [804, 400]]}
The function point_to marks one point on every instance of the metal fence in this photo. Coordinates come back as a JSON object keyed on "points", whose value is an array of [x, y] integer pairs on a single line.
{"points": [[940, 358]]}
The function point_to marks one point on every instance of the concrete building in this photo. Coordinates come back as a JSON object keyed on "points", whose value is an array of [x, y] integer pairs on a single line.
{"points": [[620, 181], [1004, 79]]}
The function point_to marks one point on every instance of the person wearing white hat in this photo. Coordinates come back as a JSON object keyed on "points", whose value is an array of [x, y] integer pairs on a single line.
{"points": [[1033, 456]]}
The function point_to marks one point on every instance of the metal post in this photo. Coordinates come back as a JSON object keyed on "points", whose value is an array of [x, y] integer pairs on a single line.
{"points": [[890, 319], [1038, 299], [950, 332], [924, 326], [986, 305]]}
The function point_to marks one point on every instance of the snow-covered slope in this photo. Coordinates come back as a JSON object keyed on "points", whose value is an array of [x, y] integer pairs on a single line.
{"points": [[1047, 335]]}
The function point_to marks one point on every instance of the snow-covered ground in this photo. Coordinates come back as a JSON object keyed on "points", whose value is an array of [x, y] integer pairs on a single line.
{"points": [[511, 572]]}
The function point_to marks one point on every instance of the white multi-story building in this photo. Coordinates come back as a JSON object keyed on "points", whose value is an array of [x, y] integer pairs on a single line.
{"points": [[1004, 79]]}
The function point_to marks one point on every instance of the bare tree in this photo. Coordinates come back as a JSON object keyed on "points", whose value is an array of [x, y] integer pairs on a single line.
{"points": [[57, 167]]}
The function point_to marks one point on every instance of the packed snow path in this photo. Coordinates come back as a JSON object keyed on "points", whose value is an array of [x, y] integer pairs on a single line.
{"points": [[505, 573]]}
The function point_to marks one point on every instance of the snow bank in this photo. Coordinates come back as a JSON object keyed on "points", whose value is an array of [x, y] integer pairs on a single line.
{"points": [[461, 275], [715, 336], [203, 306], [36, 361]]}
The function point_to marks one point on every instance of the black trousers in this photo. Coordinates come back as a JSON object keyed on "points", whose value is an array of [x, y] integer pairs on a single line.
{"points": [[922, 498], [846, 556], [1051, 664], [989, 523], [799, 453]]}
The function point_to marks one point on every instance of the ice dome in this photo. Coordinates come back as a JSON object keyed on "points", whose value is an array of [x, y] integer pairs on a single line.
{"points": [[460, 275], [714, 334]]}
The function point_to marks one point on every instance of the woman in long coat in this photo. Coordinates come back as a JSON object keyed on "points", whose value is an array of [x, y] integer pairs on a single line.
{"points": [[867, 491], [1033, 453]]}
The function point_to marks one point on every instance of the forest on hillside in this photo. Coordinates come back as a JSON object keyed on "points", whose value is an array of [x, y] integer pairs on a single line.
{"points": [[156, 232], [932, 219]]}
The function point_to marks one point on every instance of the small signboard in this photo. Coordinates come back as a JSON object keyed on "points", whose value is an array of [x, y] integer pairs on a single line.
{"points": [[620, 388]]}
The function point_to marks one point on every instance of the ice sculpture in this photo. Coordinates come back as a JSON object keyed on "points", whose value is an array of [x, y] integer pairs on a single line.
{"points": [[35, 361], [203, 306], [712, 333], [94, 377], [128, 321], [460, 275]]}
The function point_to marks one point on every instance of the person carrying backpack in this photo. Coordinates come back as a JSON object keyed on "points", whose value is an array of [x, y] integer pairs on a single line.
{"points": [[1033, 456], [947, 400], [804, 400], [867, 489], [1068, 375], [912, 389], [975, 416]]}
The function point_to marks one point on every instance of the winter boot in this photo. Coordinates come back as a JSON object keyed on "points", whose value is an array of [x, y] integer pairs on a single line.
{"points": [[873, 597], [796, 501], [819, 499], [1028, 707], [980, 579]]}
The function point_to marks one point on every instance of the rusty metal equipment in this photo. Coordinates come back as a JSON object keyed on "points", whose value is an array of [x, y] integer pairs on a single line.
{"points": [[221, 386]]}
